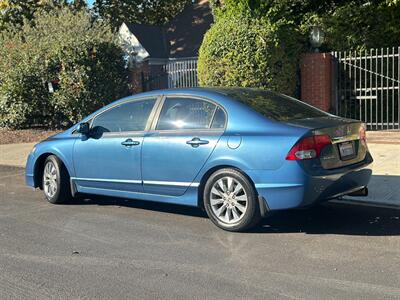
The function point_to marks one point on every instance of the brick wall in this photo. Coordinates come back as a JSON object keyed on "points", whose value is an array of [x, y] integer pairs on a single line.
{"points": [[316, 80], [144, 77], [139, 71]]}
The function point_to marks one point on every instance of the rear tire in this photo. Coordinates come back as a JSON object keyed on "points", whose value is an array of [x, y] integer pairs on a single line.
{"points": [[55, 182], [230, 200]]}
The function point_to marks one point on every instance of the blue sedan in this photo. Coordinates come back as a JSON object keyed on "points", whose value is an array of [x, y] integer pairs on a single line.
{"points": [[238, 153]]}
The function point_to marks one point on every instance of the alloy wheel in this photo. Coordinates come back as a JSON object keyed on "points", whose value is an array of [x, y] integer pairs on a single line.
{"points": [[228, 200], [50, 179]]}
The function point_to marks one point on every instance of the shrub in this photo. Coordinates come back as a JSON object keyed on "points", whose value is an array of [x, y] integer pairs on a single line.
{"points": [[371, 25], [66, 47], [250, 53], [23, 96]]}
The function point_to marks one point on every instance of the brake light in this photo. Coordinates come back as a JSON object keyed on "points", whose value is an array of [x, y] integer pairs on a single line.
{"points": [[309, 147], [363, 135]]}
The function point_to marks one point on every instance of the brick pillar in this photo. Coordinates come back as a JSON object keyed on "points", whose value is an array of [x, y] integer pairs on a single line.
{"points": [[138, 72], [316, 80]]}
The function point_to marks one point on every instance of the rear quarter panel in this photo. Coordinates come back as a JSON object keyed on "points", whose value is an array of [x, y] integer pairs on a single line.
{"points": [[251, 141], [255, 152]]}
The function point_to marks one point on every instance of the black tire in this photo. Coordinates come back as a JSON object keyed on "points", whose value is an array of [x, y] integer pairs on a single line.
{"points": [[249, 218], [63, 189]]}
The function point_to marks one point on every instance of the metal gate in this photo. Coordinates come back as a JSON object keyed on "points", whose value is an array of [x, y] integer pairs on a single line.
{"points": [[182, 72], [175, 73], [368, 87]]}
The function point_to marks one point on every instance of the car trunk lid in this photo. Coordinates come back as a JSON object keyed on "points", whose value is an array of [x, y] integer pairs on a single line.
{"points": [[348, 143]]}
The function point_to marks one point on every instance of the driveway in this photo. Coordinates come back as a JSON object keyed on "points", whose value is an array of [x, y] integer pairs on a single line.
{"points": [[111, 248]]}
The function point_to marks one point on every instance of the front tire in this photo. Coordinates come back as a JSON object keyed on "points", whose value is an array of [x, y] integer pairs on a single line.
{"points": [[230, 200], [55, 182]]}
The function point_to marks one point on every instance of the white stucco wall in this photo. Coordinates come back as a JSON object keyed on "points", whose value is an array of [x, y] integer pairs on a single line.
{"points": [[131, 45]]}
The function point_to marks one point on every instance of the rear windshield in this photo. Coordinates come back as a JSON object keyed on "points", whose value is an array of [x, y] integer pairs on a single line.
{"points": [[273, 105]]}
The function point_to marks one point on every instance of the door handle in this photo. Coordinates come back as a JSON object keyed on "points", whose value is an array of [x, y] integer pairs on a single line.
{"points": [[130, 143], [195, 142]]}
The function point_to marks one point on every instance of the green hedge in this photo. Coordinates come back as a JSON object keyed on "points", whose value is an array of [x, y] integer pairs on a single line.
{"points": [[371, 25], [250, 53], [63, 46]]}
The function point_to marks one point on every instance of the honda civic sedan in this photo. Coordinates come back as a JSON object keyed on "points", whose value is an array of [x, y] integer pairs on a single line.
{"points": [[237, 153]]}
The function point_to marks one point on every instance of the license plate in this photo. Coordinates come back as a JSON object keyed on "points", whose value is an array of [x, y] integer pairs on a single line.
{"points": [[346, 150]]}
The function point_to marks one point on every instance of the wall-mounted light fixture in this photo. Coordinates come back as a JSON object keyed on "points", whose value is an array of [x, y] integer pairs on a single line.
{"points": [[317, 37]]}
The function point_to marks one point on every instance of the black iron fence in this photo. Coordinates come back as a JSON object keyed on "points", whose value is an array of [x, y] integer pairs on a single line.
{"points": [[368, 86]]}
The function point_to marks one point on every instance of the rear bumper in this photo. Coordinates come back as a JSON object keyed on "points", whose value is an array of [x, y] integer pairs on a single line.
{"points": [[328, 187], [291, 187]]}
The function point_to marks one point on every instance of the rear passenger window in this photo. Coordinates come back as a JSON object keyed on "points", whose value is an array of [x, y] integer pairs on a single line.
{"points": [[219, 119], [186, 113]]}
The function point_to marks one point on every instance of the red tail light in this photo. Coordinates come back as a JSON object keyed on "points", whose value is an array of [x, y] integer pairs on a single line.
{"points": [[309, 147]]}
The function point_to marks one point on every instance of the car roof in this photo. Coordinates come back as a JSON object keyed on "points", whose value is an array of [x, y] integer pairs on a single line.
{"points": [[224, 91], [184, 91]]}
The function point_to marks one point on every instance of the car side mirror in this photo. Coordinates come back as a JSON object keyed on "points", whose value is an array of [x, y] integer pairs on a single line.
{"points": [[83, 128]]}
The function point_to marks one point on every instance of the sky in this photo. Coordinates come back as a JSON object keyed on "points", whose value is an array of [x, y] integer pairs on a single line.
{"points": [[89, 2]]}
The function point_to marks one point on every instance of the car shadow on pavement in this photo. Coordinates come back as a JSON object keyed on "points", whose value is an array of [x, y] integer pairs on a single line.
{"points": [[383, 190], [334, 218], [142, 204], [329, 218]]}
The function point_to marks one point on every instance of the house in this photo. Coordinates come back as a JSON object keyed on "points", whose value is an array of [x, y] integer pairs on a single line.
{"points": [[166, 56]]}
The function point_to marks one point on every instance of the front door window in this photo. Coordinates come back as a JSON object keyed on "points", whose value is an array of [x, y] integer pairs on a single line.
{"points": [[131, 116]]}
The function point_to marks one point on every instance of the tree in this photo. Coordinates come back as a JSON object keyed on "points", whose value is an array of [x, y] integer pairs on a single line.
{"points": [[349, 24], [156, 12], [14, 12], [64, 49], [356, 26]]}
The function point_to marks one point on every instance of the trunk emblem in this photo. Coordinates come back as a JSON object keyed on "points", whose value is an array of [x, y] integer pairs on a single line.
{"points": [[343, 130]]}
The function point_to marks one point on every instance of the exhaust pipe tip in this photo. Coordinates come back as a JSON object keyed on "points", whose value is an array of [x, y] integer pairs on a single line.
{"points": [[360, 193]]}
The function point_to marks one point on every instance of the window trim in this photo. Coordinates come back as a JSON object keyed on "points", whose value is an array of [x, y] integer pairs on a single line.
{"points": [[157, 99], [185, 96]]}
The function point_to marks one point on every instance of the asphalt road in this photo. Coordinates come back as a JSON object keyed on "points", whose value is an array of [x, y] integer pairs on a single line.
{"points": [[111, 248]]}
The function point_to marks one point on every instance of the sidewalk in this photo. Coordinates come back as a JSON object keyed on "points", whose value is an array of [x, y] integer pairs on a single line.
{"points": [[15, 154], [384, 137], [384, 188]]}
